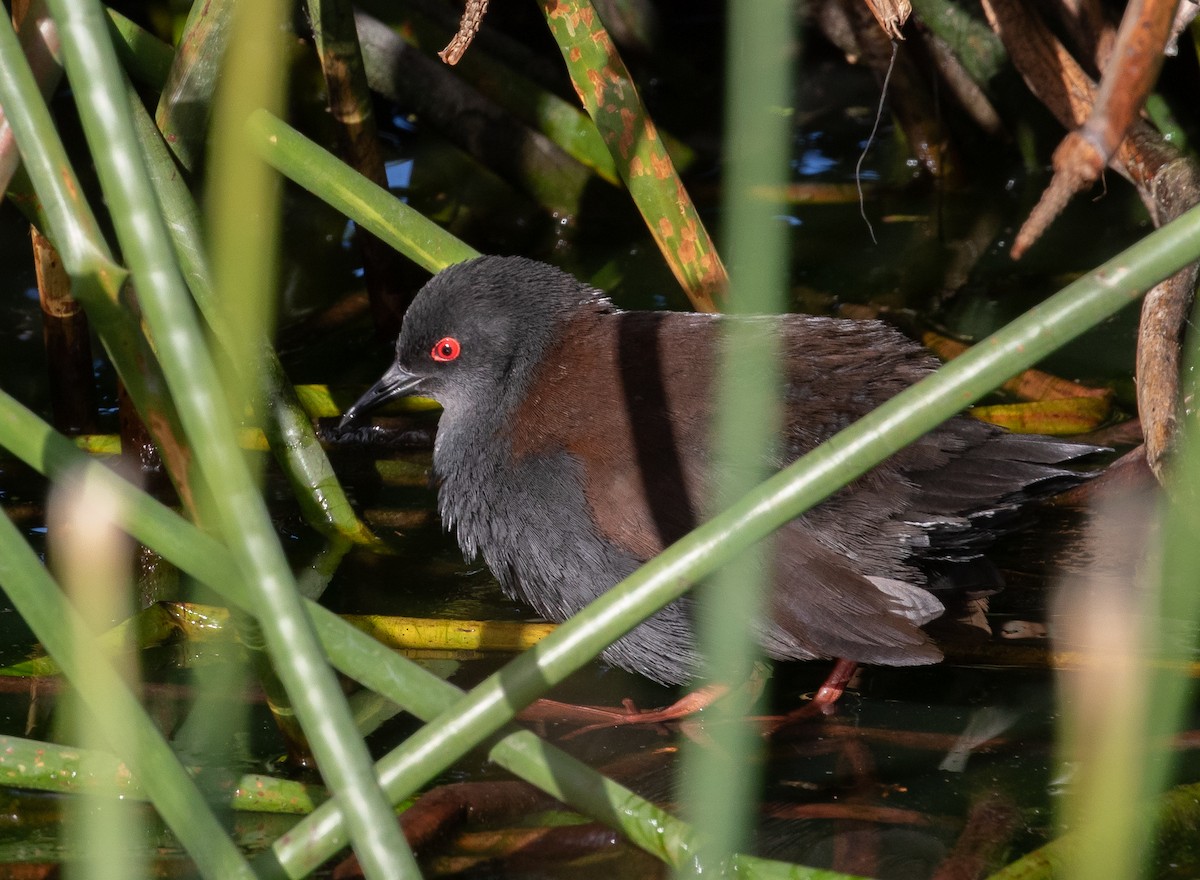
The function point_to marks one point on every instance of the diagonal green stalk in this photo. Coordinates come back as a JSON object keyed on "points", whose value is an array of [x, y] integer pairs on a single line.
{"points": [[100, 91], [368, 205], [97, 280], [147, 58], [186, 101]]}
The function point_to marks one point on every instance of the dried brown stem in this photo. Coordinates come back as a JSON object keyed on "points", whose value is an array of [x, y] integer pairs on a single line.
{"points": [[1082, 156], [1167, 182], [68, 346], [991, 823], [468, 27], [354, 119], [891, 15]]}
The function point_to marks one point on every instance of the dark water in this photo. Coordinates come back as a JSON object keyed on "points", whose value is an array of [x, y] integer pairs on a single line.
{"points": [[886, 751]]}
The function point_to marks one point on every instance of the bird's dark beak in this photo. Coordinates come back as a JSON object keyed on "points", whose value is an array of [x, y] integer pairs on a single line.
{"points": [[396, 382]]}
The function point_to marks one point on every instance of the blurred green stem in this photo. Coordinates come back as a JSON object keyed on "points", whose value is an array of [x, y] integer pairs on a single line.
{"points": [[718, 778], [237, 504], [92, 557]]}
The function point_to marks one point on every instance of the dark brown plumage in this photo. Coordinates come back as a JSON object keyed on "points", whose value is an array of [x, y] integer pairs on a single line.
{"points": [[574, 446]]}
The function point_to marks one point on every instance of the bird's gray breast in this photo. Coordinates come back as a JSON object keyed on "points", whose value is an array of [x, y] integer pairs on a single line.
{"points": [[530, 522]]}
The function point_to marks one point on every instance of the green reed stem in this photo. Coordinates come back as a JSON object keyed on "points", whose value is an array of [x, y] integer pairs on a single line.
{"points": [[97, 280], [92, 68], [186, 102], [370, 206]]}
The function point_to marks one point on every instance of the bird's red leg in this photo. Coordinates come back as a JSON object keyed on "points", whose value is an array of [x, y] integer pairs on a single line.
{"points": [[686, 706], [825, 698], [835, 685], [597, 717]]}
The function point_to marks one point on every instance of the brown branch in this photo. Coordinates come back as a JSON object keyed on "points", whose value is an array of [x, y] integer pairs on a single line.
{"points": [[350, 106], [1167, 182], [468, 27], [991, 824], [1083, 154], [891, 15], [68, 345], [909, 96]]}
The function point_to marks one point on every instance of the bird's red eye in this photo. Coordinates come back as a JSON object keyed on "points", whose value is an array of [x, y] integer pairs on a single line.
{"points": [[446, 349]]}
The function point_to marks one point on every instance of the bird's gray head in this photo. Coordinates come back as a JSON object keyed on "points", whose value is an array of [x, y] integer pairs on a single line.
{"points": [[476, 330]]}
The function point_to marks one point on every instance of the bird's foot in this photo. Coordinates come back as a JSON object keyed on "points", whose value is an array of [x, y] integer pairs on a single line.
{"points": [[824, 701]]}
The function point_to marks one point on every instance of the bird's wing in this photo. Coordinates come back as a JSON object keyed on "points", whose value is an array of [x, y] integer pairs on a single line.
{"points": [[633, 411], [821, 606]]}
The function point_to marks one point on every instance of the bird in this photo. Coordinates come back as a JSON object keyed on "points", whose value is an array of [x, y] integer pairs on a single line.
{"points": [[574, 444]]}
